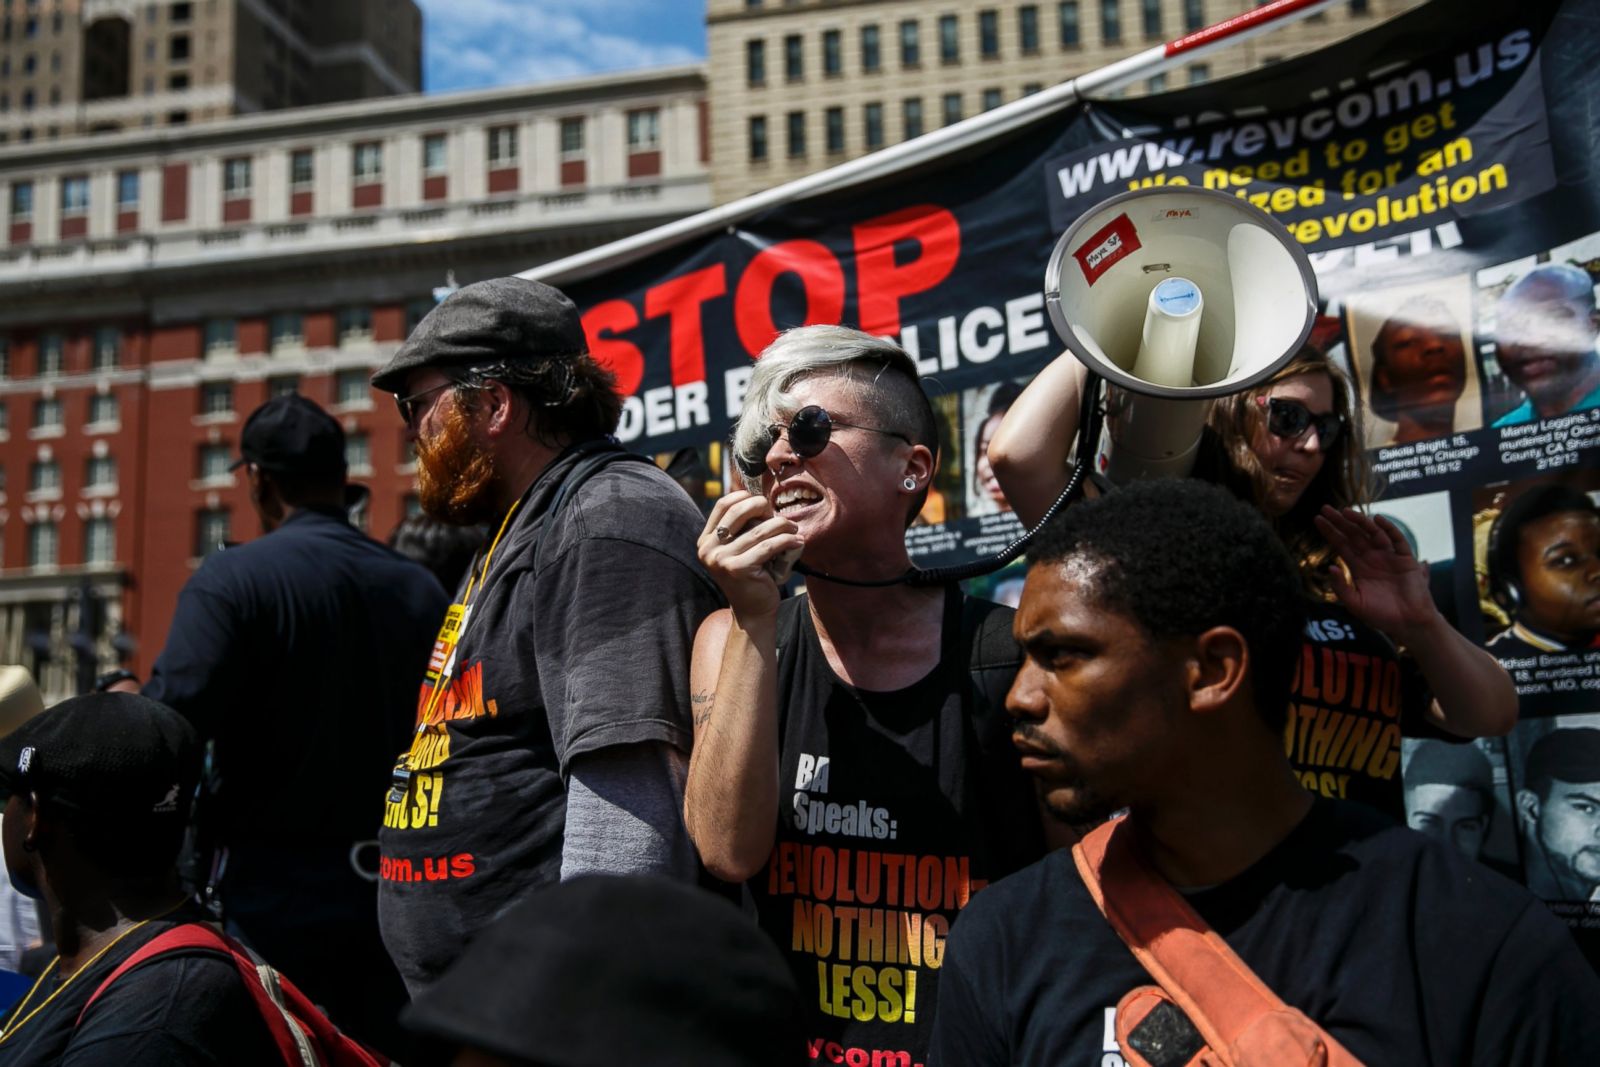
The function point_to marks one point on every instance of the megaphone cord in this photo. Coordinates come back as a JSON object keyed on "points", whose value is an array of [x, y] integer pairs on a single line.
{"points": [[1088, 433]]}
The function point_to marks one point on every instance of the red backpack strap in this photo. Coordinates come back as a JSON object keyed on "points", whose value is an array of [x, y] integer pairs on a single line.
{"points": [[288, 1034], [1217, 990]]}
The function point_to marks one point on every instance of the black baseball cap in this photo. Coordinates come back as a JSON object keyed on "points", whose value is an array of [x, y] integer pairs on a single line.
{"points": [[602, 970], [291, 435], [489, 322], [117, 757]]}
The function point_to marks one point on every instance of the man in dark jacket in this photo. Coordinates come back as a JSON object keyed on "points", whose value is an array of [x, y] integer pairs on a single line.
{"points": [[299, 655]]}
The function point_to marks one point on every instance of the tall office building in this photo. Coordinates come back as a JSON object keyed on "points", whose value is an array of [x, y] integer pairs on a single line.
{"points": [[70, 67], [800, 85]]}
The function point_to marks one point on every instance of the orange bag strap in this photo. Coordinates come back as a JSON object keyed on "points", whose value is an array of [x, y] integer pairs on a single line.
{"points": [[1216, 989]]}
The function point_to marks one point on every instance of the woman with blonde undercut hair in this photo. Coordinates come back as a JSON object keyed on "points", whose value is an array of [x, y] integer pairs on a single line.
{"points": [[855, 733]]}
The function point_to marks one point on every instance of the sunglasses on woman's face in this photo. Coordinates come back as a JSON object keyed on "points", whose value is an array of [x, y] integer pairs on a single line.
{"points": [[809, 431], [1290, 419]]}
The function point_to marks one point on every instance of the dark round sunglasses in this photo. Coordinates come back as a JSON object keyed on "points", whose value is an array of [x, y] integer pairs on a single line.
{"points": [[808, 431], [1290, 419]]}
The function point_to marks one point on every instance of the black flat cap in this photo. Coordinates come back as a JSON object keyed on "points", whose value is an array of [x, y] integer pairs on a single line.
{"points": [[116, 756], [292, 435], [604, 970], [486, 322]]}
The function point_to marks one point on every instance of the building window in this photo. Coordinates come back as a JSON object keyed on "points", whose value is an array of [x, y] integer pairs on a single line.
{"points": [[103, 409], [107, 346], [989, 34], [1071, 36], [179, 13], [52, 355], [910, 44], [434, 161], [236, 178], [991, 99], [794, 57], [44, 476], [1111, 21], [833, 124], [301, 169], [100, 541], [43, 541], [358, 453], [871, 50], [1150, 17], [75, 194], [1029, 88], [797, 134], [284, 330], [367, 162], [417, 310], [1028, 28], [21, 201], [1194, 15], [572, 137], [949, 40], [1157, 83], [755, 61], [178, 48], [1199, 73], [351, 388], [216, 398], [213, 463], [758, 138], [220, 337], [283, 385], [1360, 7], [100, 472], [127, 190], [210, 530], [911, 117], [952, 108], [355, 325], [832, 54], [644, 130], [5, 362], [47, 413], [502, 146], [872, 125]]}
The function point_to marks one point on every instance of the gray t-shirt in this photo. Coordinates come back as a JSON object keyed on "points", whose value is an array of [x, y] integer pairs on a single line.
{"points": [[587, 650]]}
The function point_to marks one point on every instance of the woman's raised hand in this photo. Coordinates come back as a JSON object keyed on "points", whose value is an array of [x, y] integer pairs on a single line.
{"points": [[743, 540], [1381, 582]]}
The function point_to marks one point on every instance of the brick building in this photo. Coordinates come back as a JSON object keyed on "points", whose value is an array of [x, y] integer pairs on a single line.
{"points": [[155, 286]]}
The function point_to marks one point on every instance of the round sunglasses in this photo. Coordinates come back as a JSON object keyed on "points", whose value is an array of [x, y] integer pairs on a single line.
{"points": [[1290, 419], [809, 431]]}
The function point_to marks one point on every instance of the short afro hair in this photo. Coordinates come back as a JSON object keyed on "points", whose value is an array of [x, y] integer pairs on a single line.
{"points": [[1181, 557], [1570, 754], [1506, 533]]}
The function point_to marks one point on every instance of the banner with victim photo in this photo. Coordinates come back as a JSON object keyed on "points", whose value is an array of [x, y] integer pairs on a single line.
{"points": [[1440, 170]]}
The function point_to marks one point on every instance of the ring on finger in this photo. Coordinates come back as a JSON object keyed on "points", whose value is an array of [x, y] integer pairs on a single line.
{"points": [[724, 534]]}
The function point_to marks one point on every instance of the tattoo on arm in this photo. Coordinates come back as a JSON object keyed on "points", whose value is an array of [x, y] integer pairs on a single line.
{"points": [[702, 700]]}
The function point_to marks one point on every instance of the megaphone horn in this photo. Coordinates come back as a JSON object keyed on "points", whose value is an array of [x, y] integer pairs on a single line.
{"points": [[1176, 296]]}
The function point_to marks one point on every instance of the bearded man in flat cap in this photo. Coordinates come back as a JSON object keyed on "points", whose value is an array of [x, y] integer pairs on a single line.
{"points": [[553, 724]]}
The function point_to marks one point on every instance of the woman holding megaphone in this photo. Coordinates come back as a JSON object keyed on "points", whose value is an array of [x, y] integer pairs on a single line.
{"points": [[1379, 659]]}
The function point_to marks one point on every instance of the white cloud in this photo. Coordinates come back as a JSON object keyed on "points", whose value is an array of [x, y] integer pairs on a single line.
{"points": [[481, 43]]}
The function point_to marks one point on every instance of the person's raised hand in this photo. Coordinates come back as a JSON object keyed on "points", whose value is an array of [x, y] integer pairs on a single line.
{"points": [[1381, 582], [744, 541]]}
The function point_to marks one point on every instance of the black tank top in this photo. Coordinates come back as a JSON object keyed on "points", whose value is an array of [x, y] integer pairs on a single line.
{"points": [[896, 808]]}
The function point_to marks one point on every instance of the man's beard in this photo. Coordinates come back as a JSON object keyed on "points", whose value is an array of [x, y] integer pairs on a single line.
{"points": [[455, 474]]}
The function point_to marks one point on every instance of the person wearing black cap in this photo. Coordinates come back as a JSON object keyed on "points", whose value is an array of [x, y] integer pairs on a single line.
{"points": [[298, 654], [605, 970], [554, 722], [98, 794]]}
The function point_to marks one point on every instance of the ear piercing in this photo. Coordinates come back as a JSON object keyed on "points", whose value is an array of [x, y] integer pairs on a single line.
{"points": [[910, 483]]}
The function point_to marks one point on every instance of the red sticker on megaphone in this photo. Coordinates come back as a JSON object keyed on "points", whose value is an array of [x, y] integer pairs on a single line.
{"points": [[1109, 244]]}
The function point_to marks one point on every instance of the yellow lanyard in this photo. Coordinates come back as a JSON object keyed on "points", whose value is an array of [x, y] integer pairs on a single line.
{"points": [[477, 580], [14, 1027]]}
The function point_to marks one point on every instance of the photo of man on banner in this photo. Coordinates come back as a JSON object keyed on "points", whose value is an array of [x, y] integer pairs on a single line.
{"points": [[1411, 350], [1546, 330]]}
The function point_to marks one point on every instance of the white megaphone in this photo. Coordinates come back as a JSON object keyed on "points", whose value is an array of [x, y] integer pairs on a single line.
{"points": [[1175, 296]]}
